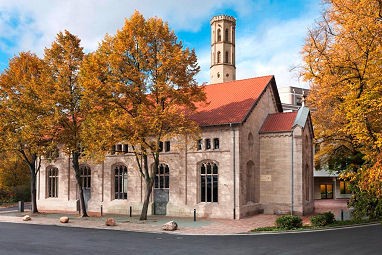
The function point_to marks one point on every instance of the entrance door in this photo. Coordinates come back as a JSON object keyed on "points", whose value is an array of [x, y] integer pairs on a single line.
{"points": [[326, 191], [161, 189]]}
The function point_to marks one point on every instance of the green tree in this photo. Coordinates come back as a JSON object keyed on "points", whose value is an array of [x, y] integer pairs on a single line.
{"points": [[143, 80], [25, 127], [343, 59]]}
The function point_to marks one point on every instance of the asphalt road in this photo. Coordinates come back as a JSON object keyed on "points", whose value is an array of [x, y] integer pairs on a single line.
{"points": [[17, 239]]}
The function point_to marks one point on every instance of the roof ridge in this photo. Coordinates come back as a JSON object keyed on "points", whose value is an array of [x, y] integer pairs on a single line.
{"points": [[246, 79]]}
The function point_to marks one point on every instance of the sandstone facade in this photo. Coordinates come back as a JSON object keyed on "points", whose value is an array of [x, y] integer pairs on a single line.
{"points": [[254, 172]]}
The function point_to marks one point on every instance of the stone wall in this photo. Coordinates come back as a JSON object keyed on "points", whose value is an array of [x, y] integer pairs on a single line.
{"points": [[184, 195], [250, 154]]}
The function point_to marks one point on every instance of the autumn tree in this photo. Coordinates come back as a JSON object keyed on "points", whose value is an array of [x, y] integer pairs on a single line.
{"points": [[144, 79], [25, 127], [64, 59], [14, 178], [343, 59]]}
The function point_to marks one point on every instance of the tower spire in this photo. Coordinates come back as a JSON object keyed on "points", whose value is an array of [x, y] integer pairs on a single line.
{"points": [[222, 49]]}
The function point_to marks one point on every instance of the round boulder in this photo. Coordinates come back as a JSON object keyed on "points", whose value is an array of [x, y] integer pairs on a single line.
{"points": [[170, 226], [110, 222], [64, 219], [27, 218]]}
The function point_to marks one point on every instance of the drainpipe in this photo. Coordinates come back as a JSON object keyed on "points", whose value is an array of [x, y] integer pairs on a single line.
{"points": [[292, 178], [234, 169]]}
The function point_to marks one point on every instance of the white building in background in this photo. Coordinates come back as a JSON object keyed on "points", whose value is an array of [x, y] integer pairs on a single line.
{"points": [[292, 97]]}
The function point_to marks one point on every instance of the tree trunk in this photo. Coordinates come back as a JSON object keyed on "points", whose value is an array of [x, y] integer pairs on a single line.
{"points": [[34, 191], [149, 188], [76, 167]]}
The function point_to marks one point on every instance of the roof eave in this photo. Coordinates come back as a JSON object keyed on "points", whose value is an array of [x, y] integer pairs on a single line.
{"points": [[276, 132]]}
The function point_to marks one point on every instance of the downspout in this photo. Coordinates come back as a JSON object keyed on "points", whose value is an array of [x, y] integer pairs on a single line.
{"points": [[292, 178], [234, 169]]}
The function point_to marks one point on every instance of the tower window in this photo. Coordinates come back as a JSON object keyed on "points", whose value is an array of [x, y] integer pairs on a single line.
{"points": [[226, 57], [218, 56], [219, 35], [226, 35]]}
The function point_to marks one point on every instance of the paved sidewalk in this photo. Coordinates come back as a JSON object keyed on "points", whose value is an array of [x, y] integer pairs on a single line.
{"points": [[154, 223]]}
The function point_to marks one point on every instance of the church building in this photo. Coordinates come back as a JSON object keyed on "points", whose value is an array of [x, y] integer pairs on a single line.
{"points": [[251, 157]]}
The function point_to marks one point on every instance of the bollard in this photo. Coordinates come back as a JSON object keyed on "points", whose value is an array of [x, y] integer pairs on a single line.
{"points": [[131, 210], [194, 214], [342, 214], [78, 206], [21, 206], [101, 211]]}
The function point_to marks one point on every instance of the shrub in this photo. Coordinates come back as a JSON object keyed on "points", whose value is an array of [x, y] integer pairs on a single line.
{"points": [[289, 222], [322, 219]]}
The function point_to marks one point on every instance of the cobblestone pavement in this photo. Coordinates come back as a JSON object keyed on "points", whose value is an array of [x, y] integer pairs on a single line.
{"points": [[154, 223]]}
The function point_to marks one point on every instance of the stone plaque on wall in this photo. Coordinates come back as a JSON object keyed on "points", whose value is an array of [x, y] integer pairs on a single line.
{"points": [[265, 178]]}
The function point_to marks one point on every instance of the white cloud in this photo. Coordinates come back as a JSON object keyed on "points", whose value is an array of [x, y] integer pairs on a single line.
{"points": [[272, 49], [41, 20]]}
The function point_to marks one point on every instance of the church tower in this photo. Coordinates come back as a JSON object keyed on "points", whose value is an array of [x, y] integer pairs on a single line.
{"points": [[222, 49]]}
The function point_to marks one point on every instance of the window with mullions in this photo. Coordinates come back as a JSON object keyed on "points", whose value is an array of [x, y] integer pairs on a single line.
{"points": [[208, 182], [344, 187], [162, 177], [85, 177], [120, 182], [52, 182]]}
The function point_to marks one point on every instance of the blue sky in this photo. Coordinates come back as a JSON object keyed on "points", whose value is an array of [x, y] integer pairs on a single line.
{"points": [[270, 33]]}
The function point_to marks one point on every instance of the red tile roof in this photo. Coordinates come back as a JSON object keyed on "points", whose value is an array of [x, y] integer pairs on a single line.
{"points": [[278, 122], [230, 102]]}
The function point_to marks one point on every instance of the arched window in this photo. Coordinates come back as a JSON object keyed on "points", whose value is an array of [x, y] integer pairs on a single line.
{"points": [[162, 177], [226, 35], [307, 183], [85, 176], [250, 185], [250, 142], [218, 57], [52, 182], [219, 35], [226, 57], [209, 182], [120, 181]]}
